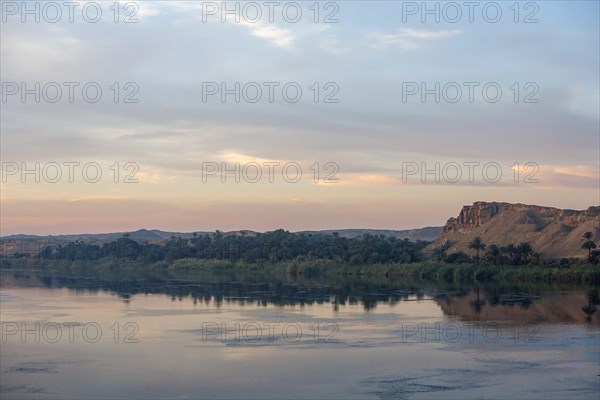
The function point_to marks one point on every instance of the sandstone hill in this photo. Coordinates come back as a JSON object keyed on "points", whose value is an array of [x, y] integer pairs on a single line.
{"points": [[552, 232]]}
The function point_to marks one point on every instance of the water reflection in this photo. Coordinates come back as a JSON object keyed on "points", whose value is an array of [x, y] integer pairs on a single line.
{"points": [[490, 302], [590, 307], [393, 339]]}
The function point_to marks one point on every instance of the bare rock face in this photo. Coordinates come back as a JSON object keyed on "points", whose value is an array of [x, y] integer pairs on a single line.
{"points": [[472, 216], [551, 231]]}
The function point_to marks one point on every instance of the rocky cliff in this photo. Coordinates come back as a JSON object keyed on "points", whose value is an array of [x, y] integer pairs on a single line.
{"points": [[551, 231]]}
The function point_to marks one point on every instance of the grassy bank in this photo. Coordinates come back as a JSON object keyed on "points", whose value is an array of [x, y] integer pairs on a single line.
{"points": [[426, 271]]}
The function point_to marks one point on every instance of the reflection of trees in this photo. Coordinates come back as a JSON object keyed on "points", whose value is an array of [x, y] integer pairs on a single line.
{"points": [[522, 304], [468, 302], [590, 307], [478, 302], [223, 289]]}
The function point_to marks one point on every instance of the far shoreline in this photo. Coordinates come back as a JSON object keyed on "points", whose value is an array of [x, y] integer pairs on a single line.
{"points": [[426, 271]]}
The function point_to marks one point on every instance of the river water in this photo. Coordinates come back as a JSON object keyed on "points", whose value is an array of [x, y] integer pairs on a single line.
{"points": [[238, 338]]}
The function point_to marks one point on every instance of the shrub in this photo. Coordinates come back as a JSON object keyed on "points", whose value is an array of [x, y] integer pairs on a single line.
{"points": [[193, 264], [458, 258]]}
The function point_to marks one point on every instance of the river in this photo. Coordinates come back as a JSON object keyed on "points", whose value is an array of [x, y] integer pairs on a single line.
{"points": [[81, 337]]}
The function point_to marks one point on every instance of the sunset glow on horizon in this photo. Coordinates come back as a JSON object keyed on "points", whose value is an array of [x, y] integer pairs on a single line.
{"points": [[390, 149]]}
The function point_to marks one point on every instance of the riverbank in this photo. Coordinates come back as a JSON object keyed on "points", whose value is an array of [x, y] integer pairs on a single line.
{"points": [[425, 271]]}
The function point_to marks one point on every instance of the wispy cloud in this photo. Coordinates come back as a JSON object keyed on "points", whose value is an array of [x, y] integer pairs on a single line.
{"points": [[172, 131], [406, 38], [368, 179], [273, 34], [578, 170]]}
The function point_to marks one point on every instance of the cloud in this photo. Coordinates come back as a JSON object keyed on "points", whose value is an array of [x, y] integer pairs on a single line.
{"points": [[584, 101], [424, 34], [273, 34], [145, 9], [406, 38], [334, 46], [578, 170], [233, 157], [91, 198], [171, 132], [25, 53], [368, 179]]}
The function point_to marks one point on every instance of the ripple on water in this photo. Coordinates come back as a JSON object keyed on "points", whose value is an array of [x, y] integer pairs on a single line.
{"points": [[441, 380]]}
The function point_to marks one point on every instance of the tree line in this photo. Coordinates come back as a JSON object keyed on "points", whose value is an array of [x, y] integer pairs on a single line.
{"points": [[276, 246], [511, 254], [281, 245]]}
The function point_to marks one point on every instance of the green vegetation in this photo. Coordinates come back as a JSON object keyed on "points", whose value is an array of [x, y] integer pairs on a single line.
{"points": [[422, 271], [276, 246], [589, 245], [478, 246], [284, 253]]}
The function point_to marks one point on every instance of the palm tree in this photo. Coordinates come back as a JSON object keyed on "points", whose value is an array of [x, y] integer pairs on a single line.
{"points": [[478, 302], [440, 252], [493, 253], [509, 251], [589, 245], [478, 246], [525, 250], [536, 257]]}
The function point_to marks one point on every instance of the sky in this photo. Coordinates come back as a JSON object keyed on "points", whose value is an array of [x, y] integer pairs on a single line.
{"points": [[297, 115]]}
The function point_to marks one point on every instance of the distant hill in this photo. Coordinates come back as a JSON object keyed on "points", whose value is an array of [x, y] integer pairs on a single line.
{"points": [[141, 234], [552, 232], [32, 244], [429, 233]]}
